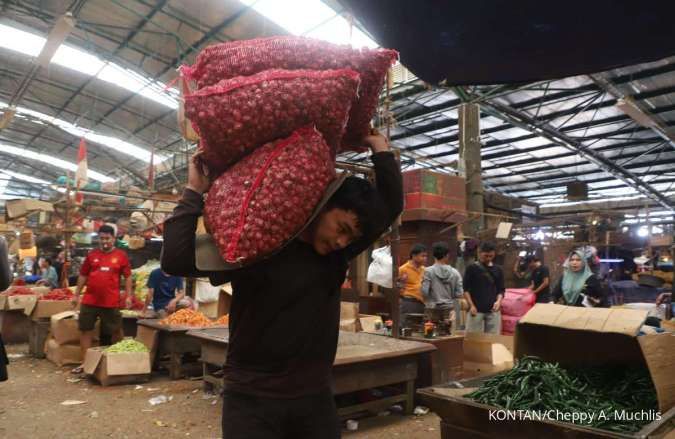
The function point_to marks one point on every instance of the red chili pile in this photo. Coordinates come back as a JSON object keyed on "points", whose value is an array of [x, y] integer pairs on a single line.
{"points": [[237, 115], [242, 58], [136, 304], [58, 294], [21, 291], [264, 199]]}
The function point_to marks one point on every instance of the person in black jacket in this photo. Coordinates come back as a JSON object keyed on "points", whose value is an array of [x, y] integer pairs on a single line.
{"points": [[578, 286], [5, 280], [285, 310]]}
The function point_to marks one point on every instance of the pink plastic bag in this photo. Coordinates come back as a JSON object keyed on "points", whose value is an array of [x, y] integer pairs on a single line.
{"points": [[238, 58], [263, 200], [509, 324], [517, 301], [240, 114]]}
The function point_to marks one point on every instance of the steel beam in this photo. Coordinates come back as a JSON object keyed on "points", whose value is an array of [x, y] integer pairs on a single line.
{"points": [[539, 128]]}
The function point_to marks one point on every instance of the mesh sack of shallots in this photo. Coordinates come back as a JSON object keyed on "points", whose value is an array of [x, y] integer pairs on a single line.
{"points": [[248, 57], [264, 199], [238, 115]]}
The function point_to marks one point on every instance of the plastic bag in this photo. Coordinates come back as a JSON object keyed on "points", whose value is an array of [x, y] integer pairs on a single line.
{"points": [[248, 57], [240, 114], [263, 200], [380, 270], [517, 301], [205, 292]]}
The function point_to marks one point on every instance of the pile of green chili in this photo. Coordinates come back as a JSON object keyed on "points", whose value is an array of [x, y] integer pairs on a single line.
{"points": [[536, 385]]}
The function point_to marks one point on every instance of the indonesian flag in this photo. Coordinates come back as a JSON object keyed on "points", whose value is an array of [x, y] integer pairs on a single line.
{"points": [[81, 173]]}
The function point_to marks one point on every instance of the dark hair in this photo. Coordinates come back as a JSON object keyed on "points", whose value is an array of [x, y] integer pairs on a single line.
{"points": [[440, 249], [417, 249], [488, 246], [359, 196], [531, 258], [47, 260], [106, 229]]}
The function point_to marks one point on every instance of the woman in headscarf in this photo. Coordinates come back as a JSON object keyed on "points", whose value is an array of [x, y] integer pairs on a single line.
{"points": [[578, 285]]}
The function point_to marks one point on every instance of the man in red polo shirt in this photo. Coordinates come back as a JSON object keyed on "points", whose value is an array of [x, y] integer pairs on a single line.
{"points": [[101, 273]]}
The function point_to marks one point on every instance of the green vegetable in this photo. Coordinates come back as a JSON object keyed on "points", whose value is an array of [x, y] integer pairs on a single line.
{"points": [[534, 384], [127, 345]]}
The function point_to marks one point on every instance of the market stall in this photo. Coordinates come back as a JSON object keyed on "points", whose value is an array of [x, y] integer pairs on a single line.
{"points": [[362, 362]]}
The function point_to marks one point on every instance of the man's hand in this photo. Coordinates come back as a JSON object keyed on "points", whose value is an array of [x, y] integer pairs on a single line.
{"points": [[129, 302], [497, 305], [473, 310], [75, 300], [198, 174], [661, 298], [377, 142]]}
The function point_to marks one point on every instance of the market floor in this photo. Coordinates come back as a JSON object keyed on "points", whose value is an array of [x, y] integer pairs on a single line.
{"points": [[31, 407]]}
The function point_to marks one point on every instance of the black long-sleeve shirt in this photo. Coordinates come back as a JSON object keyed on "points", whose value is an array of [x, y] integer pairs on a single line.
{"points": [[592, 287], [484, 284], [285, 310]]}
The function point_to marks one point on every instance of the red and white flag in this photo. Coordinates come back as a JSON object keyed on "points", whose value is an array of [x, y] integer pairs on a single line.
{"points": [[81, 173]]}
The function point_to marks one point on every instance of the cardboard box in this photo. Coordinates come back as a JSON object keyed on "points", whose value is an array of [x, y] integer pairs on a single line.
{"points": [[18, 208], [25, 302], [574, 336], [487, 353], [120, 368], [349, 312], [63, 354], [64, 330], [368, 323], [47, 308], [3, 301]]}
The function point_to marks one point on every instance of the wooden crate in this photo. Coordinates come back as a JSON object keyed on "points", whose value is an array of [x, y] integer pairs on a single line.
{"points": [[462, 417]]}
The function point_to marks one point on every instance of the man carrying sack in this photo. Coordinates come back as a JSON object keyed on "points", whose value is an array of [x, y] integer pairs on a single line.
{"points": [[285, 309]]}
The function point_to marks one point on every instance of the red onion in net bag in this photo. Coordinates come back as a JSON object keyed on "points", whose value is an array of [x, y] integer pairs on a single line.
{"points": [[248, 57], [264, 199], [238, 115]]}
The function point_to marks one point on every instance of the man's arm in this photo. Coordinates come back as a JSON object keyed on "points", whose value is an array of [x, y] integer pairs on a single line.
{"points": [[426, 283], [148, 297], [545, 283], [459, 288], [81, 282], [389, 185], [178, 252]]}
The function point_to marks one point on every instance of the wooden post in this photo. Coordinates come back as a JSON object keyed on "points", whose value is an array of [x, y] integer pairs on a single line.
{"points": [[470, 163], [395, 235], [67, 237]]}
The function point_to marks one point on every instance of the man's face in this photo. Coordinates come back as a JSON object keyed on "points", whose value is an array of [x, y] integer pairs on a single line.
{"points": [[486, 257], [420, 259], [106, 241], [334, 230], [533, 265]]}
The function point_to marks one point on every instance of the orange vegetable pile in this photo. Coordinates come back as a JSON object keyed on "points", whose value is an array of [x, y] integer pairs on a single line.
{"points": [[223, 320], [187, 317]]}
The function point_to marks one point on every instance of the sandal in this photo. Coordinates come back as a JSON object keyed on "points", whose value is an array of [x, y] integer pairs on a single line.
{"points": [[78, 370]]}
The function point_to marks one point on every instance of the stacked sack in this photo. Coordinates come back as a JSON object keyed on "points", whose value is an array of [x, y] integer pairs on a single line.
{"points": [[515, 304], [271, 115]]}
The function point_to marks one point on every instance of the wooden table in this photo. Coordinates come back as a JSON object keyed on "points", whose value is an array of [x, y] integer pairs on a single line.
{"points": [[214, 343], [442, 365], [174, 342], [363, 361]]}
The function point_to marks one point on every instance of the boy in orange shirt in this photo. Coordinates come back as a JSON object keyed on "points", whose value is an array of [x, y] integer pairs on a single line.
{"points": [[410, 277]]}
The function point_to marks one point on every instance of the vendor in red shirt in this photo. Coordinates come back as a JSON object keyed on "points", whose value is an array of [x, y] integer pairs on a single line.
{"points": [[101, 273]]}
